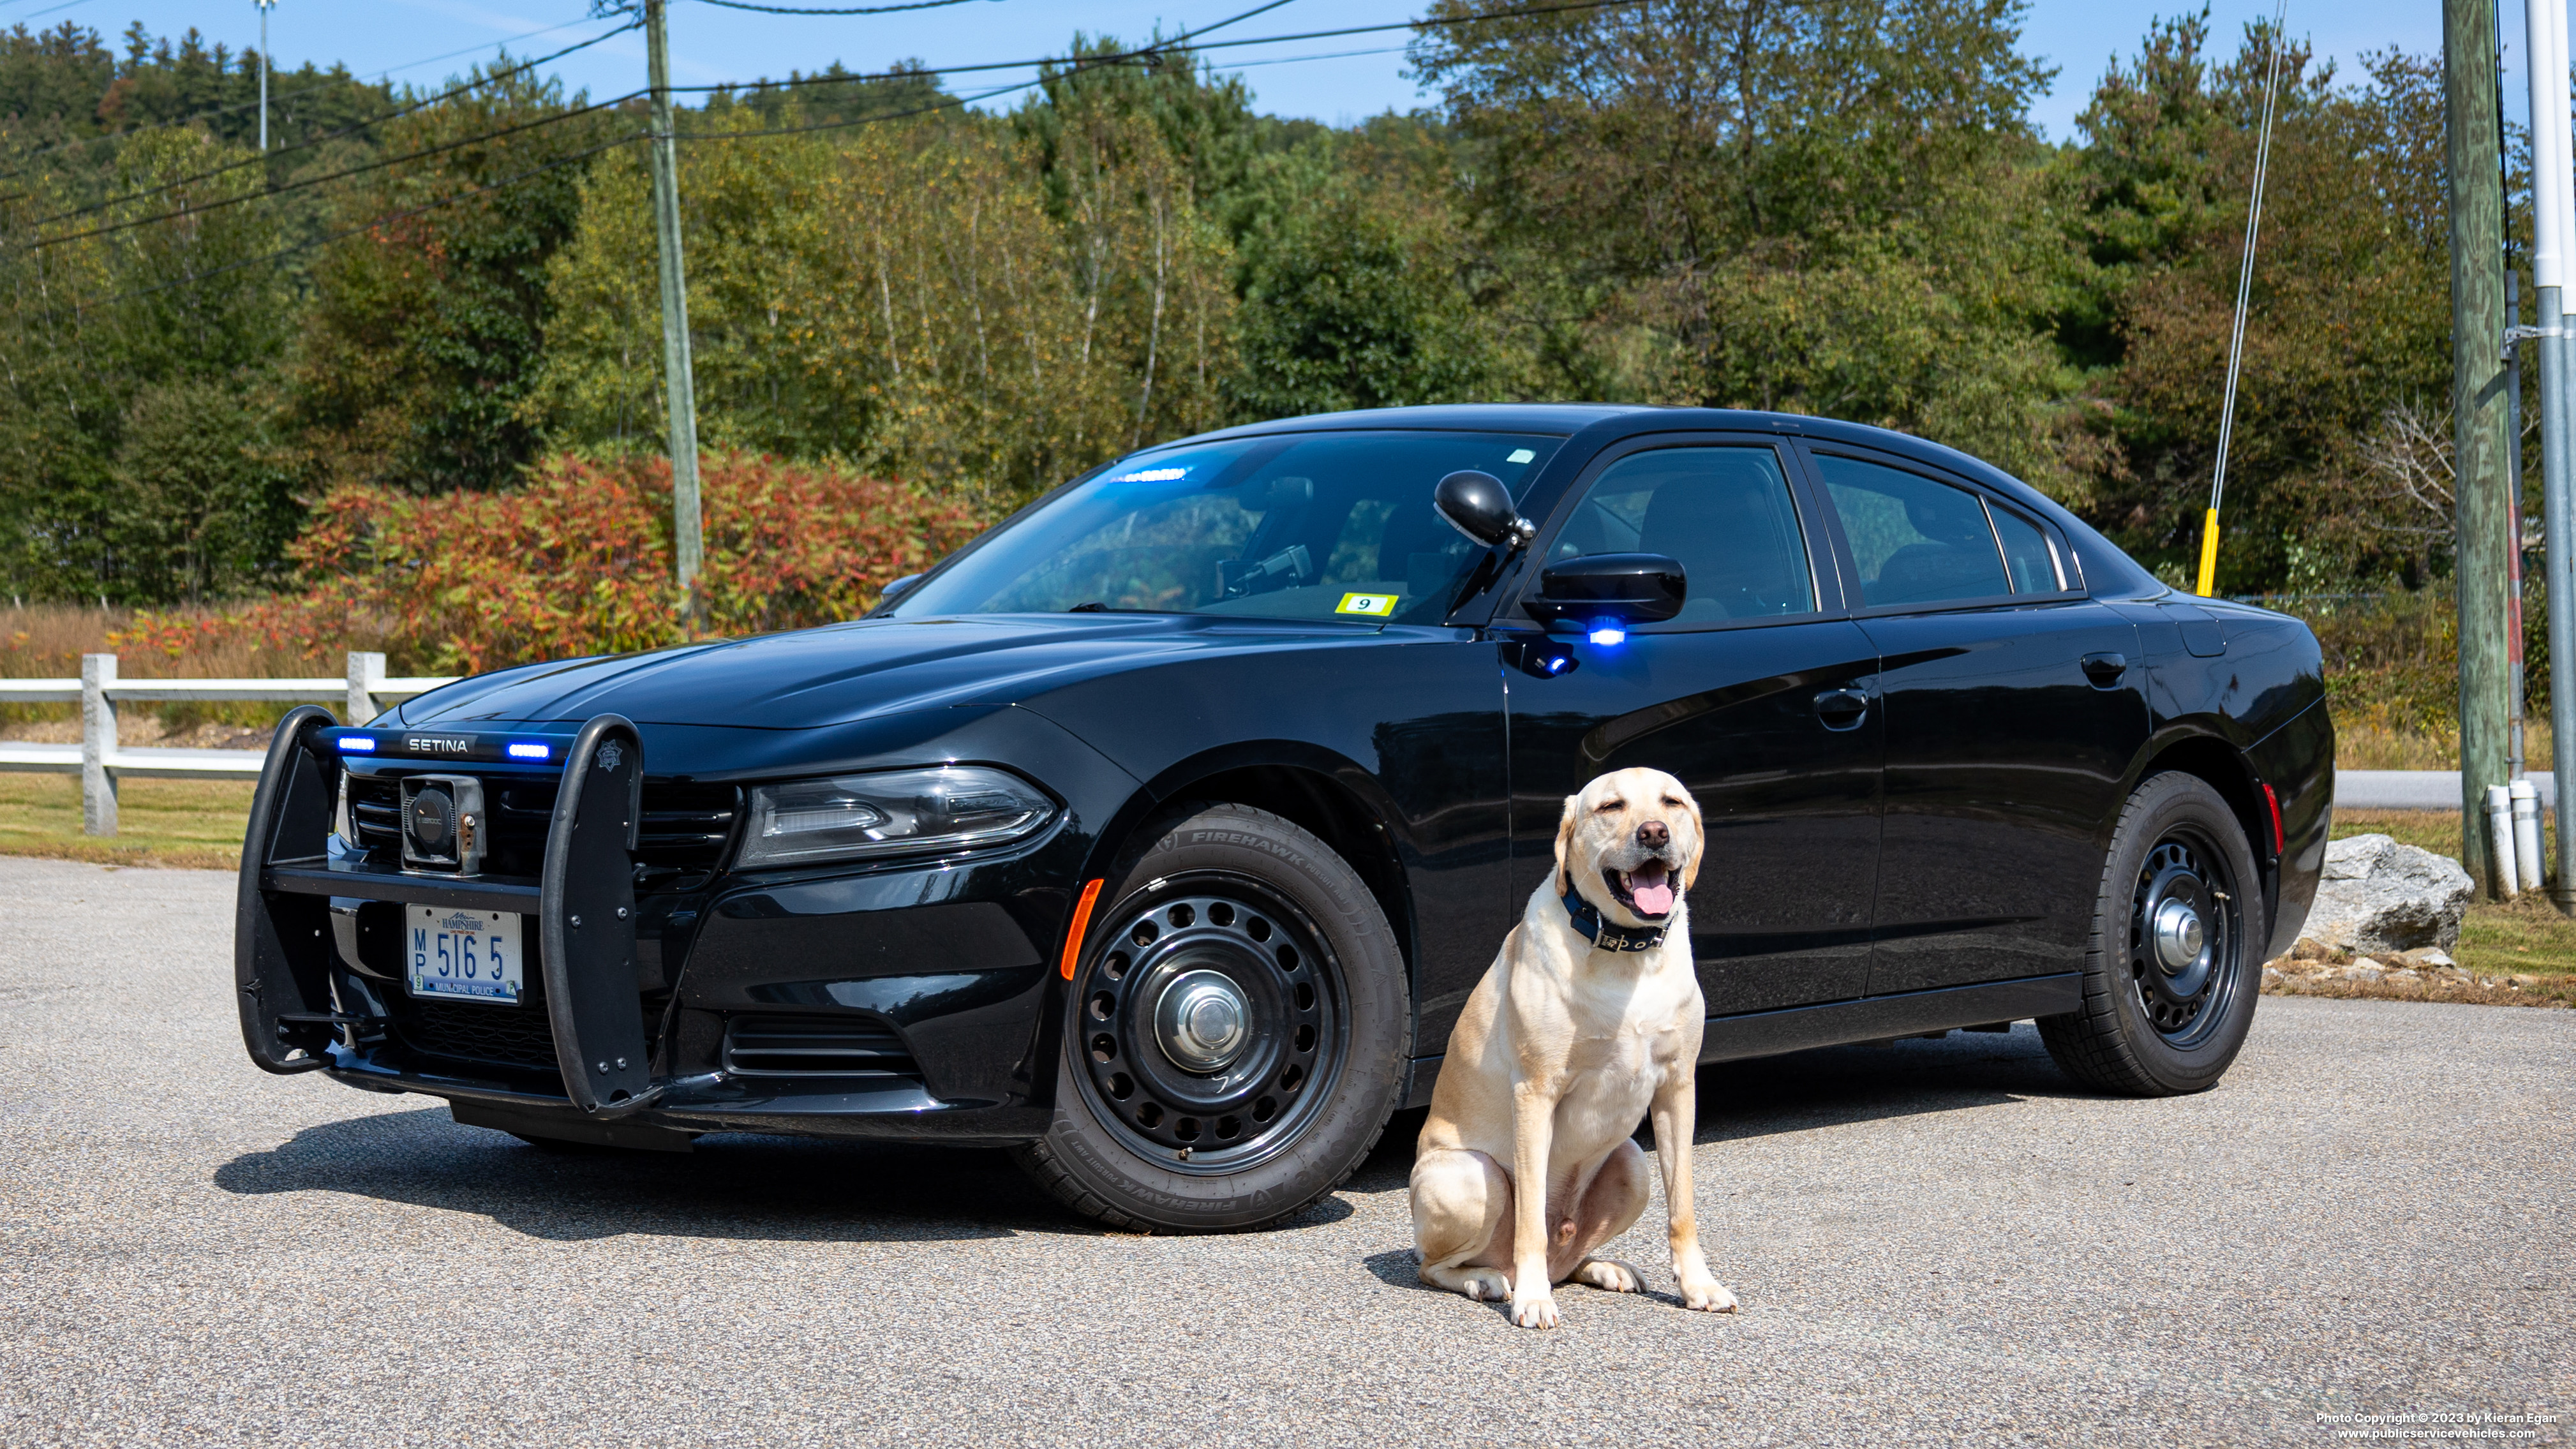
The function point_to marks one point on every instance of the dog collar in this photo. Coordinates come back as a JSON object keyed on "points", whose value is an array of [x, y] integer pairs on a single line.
{"points": [[1602, 934]]}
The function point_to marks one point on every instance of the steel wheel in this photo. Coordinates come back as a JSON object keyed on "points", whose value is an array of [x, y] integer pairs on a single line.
{"points": [[1213, 1022], [2171, 973], [2185, 931]]}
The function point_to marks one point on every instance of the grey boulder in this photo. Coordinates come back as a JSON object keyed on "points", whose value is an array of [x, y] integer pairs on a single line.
{"points": [[2378, 895]]}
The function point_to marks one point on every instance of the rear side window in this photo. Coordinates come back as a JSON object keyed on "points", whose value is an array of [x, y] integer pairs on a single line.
{"points": [[1915, 541], [2027, 554], [1723, 513]]}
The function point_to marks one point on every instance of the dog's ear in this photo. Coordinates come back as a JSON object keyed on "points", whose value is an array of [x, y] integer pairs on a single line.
{"points": [[1565, 841], [1699, 841]]}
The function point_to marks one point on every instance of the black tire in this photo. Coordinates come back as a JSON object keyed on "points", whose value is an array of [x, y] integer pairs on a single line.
{"points": [[1309, 969], [2156, 1020]]}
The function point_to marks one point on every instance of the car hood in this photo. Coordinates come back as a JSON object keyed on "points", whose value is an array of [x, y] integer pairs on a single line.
{"points": [[846, 672]]}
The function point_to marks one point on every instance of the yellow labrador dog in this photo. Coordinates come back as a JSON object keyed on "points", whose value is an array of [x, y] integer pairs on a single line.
{"points": [[1588, 1019]]}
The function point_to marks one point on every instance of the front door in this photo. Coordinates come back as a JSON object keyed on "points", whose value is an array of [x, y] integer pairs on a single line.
{"points": [[2014, 706], [1758, 697]]}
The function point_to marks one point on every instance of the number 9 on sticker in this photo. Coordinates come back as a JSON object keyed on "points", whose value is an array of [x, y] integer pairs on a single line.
{"points": [[1375, 605]]}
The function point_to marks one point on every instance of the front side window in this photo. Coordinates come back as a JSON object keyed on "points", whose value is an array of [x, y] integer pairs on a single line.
{"points": [[1723, 513], [1915, 541], [1300, 526]]}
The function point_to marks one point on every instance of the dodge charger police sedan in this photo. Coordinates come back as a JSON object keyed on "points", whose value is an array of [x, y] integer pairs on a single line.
{"points": [[1159, 833]]}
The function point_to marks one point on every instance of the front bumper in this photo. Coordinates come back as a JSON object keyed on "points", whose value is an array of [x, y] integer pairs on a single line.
{"points": [[907, 999]]}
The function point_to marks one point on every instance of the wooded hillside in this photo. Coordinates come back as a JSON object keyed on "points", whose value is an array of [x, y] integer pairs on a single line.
{"points": [[1838, 208]]}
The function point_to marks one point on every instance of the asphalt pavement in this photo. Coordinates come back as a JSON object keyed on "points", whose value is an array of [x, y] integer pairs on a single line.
{"points": [[1935, 1241]]}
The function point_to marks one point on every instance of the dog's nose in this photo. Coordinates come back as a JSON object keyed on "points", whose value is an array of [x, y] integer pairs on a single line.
{"points": [[1654, 835]]}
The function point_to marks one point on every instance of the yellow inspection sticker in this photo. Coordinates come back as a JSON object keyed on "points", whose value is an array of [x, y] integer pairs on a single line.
{"points": [[1380, 605]]}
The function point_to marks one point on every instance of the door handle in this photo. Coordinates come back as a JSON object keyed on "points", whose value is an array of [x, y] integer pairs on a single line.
{"points": [[2105, 669], [1842, 709]]}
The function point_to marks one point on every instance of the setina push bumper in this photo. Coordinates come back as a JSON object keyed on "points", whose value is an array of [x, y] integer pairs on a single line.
{"points": [[583, 904], [457, 913]]}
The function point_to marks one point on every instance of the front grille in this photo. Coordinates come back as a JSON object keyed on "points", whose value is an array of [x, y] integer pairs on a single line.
{"points": [[684, 828], [520, 1036], [375, 807], [802, 1046]]}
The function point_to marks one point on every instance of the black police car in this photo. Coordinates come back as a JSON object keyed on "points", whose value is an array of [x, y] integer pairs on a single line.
{"points": [[1159, 833]]}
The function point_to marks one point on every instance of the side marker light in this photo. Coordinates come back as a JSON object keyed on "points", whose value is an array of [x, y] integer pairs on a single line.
{"points": [[1081, 922], [2274, 801]]}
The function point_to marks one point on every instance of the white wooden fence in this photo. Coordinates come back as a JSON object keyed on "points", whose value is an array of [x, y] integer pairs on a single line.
{"points": [[101, 762]]}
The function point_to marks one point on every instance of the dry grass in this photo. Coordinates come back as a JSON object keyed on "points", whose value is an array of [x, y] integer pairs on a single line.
{"points": [[46, 641], [2366, 746], [187, 824], [2547, 991]]}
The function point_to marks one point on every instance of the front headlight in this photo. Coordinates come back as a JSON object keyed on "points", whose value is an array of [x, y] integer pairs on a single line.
{"points": [[898, 812]]}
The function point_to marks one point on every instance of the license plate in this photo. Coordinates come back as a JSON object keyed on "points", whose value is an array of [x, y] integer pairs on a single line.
{"points": [[472, 955]]}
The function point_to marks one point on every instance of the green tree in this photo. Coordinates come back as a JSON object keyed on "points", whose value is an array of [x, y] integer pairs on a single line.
{"points": [[429, 326], [2346, 340], [1353, 273], [1834, 207], [122, 342]]}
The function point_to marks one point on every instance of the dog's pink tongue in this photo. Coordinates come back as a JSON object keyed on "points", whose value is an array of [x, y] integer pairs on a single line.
{"points": [[1655, 899]]}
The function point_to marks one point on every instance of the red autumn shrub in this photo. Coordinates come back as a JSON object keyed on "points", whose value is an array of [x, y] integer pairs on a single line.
{"points": [[579, 561]]}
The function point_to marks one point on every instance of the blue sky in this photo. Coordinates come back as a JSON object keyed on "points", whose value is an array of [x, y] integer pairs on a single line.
{"points": [[711, 44]]}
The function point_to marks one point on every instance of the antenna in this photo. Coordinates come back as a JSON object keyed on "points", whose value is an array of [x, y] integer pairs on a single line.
{"points": [[2244, 294]]}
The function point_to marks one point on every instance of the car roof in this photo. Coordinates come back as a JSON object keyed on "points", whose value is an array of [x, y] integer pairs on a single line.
{"points": [[1570, 418], [1560, 418]]}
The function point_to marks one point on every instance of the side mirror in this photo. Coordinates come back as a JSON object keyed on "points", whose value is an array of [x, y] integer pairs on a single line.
{"points": [[899, 588], [1479, 506], [1612, 590]]}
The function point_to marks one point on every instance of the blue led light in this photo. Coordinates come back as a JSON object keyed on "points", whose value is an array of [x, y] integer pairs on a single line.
{"points": [[1606, 632], [524, 750], [357, 745]]}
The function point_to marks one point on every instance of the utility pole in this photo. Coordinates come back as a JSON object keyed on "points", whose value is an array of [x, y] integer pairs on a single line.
{"points": [[264, 7], [677, 383], [2553, 224], [2479, 444]]}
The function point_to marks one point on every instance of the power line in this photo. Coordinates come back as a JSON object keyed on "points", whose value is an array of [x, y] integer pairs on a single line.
{"points": [[1088, 62], [312, 181], [1081, 64], [489, 45], [365, 226], [855, 10], [333, 83], [392, 115], [1186, 42]]}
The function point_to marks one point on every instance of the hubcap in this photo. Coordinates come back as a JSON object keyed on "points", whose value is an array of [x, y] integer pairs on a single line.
{"points": [[2178, 937], [1203, 1020], [1211, 1022]]}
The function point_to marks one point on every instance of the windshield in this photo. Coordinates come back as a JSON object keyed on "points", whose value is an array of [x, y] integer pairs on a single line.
{"points": [[1302, 526]]}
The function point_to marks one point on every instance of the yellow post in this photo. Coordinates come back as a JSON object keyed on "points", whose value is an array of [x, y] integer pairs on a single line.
{"points": [[2209, 553]]}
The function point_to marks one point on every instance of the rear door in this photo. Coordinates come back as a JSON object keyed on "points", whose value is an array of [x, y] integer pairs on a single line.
{"points": [[2014, 705], [1757, 697]]}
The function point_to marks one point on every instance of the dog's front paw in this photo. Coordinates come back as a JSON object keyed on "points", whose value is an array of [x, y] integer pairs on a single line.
{"points": [[1536, 1311], [1707, 1295], [1609, 1275]]}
